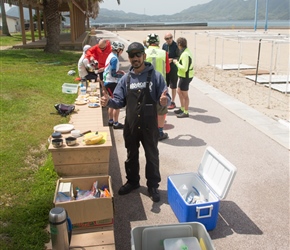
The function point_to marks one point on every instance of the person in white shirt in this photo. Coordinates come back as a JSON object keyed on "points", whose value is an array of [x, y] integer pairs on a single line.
{"points": [[83, 66]]}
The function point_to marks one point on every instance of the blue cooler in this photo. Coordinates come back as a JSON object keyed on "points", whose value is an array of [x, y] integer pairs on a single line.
{"points": [[207, 187]]}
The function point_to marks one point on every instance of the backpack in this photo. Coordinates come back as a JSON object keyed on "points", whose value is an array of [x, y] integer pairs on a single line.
{"points": [[64, 109]]}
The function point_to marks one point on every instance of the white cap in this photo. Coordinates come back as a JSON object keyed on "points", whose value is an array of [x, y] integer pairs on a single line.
{"points": [[86, 47]]}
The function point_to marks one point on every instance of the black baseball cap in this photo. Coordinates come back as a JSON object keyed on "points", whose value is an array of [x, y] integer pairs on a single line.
{"points": [[135, 47]]}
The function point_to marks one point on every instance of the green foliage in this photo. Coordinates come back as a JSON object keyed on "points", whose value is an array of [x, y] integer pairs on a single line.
{"points": [[31, 83]]}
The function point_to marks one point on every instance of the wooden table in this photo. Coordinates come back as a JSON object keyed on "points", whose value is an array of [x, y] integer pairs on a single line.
{"points": [[80, 159], [86, 160]]}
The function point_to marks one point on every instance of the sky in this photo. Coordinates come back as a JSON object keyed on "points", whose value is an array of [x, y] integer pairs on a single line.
{"points": [[151, 7], [148, 7]]}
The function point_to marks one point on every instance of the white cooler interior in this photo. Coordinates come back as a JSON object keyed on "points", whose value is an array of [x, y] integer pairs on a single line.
{"points": [[192, 179]]}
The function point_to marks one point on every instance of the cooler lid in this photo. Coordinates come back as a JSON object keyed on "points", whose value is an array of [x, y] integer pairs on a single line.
{"points": [[217, 172]]}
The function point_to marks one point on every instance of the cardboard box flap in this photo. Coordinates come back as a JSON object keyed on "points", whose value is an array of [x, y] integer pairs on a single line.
{"points": [[217, 172]]}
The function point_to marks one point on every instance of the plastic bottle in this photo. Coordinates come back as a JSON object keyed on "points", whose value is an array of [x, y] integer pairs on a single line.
{"points": [[83, 89]]}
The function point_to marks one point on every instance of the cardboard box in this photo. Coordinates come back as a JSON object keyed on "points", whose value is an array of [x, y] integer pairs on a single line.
{"points": [[90, 210], [213, 180], [152, 237], [93, 224]]}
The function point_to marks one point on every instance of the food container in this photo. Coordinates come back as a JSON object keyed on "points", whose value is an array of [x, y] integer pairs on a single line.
{"points": [[57, 143], [152, 237], [181, 243], [56, 135], [93, 86], [71, 141], [69, 88]]}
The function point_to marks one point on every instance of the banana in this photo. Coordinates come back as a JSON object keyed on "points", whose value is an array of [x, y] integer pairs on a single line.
{"points": [[92, 139]]}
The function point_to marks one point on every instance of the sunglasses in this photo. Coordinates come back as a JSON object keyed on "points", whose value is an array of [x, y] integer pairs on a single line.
{"points": [[138, 54], [168, 38]]}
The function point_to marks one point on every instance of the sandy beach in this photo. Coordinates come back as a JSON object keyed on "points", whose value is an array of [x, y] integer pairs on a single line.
{"points": [[236, 47]]}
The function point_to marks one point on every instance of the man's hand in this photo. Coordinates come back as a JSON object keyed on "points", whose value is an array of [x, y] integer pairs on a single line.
{"points": [[101, 70], [163, 98], [104, 99]]}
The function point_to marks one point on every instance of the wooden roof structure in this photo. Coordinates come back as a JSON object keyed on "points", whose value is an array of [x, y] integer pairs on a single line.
{"points": [[79, 11]]}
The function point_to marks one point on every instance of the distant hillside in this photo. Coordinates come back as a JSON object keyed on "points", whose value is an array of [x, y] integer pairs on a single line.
{"points": [[216, 10]]}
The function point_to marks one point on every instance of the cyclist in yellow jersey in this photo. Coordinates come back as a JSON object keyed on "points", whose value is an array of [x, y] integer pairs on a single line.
{"points": [[159, 59], [185, 73]]}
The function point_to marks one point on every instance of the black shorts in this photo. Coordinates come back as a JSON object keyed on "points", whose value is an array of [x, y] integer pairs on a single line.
{"points": [[183, 83], [91, 75], [110, 87], [172, 78]]}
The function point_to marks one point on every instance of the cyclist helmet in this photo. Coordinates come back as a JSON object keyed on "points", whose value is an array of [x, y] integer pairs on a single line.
{"points": [[117, 45], [152, 38]]}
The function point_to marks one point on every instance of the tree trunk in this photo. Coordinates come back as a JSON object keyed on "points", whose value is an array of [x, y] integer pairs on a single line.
{"points": [[52, 16], [5, 29]]}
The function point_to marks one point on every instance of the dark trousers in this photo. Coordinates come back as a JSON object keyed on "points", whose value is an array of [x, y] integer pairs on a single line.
{"points": [[149, 140]]}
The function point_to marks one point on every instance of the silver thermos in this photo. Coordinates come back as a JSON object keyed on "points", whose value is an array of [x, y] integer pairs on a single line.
{"points": [[60, 228]]}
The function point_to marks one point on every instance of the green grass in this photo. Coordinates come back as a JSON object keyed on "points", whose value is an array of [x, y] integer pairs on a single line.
{"points": [[31, 83], [16, 38]]}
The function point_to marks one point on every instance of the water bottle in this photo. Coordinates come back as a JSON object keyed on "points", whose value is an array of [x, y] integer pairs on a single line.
{"points": [[83, 86], [83, 89], [60, 228]]}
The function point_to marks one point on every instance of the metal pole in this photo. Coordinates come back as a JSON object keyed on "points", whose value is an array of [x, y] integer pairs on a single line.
{"points": [[270, 76], [223, 54], [287, 82], [215, 42], [208, 62], [276, 59], [240, 56], [266, 16], [258, 60], [195, 50], [256, 15]]}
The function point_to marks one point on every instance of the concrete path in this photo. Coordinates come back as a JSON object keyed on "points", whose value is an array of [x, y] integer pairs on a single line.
{"points": [[255, 214]]}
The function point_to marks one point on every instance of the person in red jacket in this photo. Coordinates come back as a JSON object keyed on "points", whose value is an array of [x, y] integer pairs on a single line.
{"points": [[100, 52]]}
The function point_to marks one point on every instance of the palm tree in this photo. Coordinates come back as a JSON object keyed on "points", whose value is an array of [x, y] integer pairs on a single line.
{"points": [[52, 20], [5, 29], [51, 14]]}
